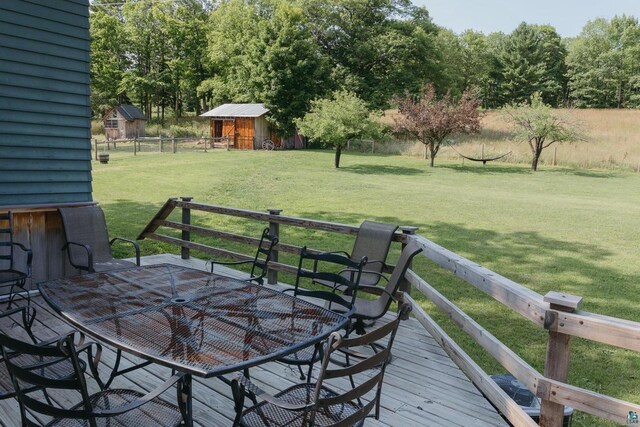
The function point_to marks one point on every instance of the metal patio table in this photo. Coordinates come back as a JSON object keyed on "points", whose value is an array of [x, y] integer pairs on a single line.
{"points": [[189, 320]]}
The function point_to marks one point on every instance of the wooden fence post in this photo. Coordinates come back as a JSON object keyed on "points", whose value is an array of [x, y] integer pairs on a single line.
{"points": [[160, 143], [274, 230], [135, 147], [95, 145], [556, 365], [174, 148], [186, 219], [405, 286], [555, 156]]}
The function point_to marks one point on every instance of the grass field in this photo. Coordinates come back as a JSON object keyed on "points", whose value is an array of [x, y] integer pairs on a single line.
{"points": [[562, 229]]}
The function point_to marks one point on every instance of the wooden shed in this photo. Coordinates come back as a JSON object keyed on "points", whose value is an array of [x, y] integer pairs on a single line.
{"points": [[124, 122], [45, 130], [242, 126]]}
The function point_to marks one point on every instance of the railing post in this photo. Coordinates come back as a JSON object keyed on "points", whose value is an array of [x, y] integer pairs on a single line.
{"points": [[556, 365], [274, 230], [186, 220], [405, 286]]}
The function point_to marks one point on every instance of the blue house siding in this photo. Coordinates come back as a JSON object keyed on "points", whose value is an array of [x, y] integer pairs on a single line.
{"points": [[45, 136]]}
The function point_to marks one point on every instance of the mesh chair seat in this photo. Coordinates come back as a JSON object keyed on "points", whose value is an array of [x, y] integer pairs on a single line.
{"points": [[155, 413], [267, 414], [303, 356], [8, 276], [57, 370], [112, 264]]}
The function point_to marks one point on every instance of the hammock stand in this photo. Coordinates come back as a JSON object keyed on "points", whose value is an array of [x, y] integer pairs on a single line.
{"points": [[484, 160]]}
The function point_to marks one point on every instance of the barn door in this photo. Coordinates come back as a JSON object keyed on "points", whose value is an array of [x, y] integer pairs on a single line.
{"points": [[244, 133]]}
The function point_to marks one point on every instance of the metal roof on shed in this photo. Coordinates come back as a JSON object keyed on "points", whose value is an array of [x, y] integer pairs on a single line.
{"points": [[130, 112], [237, 110]]}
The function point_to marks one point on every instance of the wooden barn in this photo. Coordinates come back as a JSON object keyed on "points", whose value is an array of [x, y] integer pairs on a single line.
{"points": [[245, 127], [124, 122], [45, 129], [242, 126]]}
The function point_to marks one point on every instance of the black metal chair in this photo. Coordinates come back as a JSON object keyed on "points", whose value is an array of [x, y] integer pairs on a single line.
{"points": [[367, 309], [317, 404], [51, 367], [88, 244], [373, 241], [106, 407], [326, 266], [259, 264], [13, 272]]}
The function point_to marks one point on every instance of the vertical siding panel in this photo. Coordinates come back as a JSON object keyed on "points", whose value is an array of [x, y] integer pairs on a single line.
{"points": [[55, 240], [21, 234], [38, 240]]}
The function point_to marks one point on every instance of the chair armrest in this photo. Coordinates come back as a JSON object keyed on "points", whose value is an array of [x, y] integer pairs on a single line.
{"points": [[135, 246], [244, 382], [141, 400], [29, 255], [27, 318], [87, 248], [376, 290], [81, 338], [214, 262]]}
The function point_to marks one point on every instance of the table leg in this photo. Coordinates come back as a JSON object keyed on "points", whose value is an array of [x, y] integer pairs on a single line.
{"points": [[185, 400]]}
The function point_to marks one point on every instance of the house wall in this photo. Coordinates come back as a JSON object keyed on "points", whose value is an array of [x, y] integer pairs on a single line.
{"points": [[45, 149], [45, 136]]}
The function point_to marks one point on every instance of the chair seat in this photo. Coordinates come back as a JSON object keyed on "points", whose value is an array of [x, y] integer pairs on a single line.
{"points": [[267, 414], [154, 413], [11, 276], [303, 356], [112, 264], [56, 370]]}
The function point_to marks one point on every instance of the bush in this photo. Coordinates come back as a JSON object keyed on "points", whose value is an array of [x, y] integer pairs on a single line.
{"points": [[97, 127]]}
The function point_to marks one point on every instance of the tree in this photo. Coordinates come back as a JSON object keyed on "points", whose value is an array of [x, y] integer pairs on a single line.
{"points": [[433, 120], [263, 51], [531, 59], [541, 126], [603, 64], [336, 120]]}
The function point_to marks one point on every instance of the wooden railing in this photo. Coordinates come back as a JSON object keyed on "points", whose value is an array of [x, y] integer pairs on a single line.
{"points": [[555, 312]]}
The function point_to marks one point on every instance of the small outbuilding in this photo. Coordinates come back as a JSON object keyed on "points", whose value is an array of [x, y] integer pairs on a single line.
{"points": [[124, 122], [240, 126]]}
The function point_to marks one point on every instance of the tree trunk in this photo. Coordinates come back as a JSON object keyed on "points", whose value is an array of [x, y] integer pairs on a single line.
{"points": [[432, 157], [534, 161], [338, 154]]}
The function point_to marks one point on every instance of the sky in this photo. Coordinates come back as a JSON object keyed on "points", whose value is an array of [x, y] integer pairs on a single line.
{"points": [[567, 16]]}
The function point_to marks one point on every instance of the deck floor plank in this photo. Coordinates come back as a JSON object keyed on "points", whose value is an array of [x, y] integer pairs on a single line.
{"points": [[422, 385]]}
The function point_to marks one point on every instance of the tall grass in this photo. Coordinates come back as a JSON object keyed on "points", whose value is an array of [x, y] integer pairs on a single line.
{"points": [[613, 142]]}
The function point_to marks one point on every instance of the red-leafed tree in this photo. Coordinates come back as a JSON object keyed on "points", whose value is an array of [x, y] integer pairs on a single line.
{"points": [[433, 120]]}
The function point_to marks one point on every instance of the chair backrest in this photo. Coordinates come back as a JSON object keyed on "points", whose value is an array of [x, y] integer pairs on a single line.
{"points": [[384, 301], [6, 240], [263, 254], [86, 225], [323, 266], [373, 241], [27, 374], [366, 373]]}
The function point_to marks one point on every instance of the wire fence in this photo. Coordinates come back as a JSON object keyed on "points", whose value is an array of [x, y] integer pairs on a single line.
{"points": [[155, 145]]}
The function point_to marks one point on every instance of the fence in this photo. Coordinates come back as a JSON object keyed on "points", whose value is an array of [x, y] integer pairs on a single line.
{"points": [[555, 312], [154, 145]]}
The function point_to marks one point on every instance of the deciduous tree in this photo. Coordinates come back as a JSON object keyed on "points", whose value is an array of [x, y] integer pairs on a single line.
{"points": [[433, 120], [336, 120], [541, 126]]}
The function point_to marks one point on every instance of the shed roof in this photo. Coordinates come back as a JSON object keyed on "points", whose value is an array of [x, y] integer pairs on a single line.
{"points": [[130, 112], [237, 110]]}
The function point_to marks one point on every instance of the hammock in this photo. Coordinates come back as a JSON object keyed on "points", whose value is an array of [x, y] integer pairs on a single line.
{"points": [[476, 159]]}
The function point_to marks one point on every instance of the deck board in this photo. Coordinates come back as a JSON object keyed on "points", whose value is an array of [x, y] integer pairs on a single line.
{"points": [[422, 385]]}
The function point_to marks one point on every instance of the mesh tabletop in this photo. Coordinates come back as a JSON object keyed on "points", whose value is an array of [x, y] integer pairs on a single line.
{"points": [[191, 320]]}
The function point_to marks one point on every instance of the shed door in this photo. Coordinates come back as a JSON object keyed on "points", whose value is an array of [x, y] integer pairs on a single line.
{"points": [[244, 133]]}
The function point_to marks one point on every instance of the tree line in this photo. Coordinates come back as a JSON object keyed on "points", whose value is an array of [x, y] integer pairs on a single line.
{"points": [[191, 55]]}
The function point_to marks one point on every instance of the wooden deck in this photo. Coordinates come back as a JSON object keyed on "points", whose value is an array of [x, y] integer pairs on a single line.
{"points": [[423, 387]]}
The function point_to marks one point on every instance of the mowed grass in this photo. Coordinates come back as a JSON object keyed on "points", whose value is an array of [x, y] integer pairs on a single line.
{"points": [[561, 229]]}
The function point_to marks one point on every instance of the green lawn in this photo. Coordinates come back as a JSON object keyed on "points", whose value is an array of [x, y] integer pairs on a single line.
{"points": [[568, 230]]}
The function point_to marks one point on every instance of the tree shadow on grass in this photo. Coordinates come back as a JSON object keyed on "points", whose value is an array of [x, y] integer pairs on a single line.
{"points": [[487, 169], [382, 170]]}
